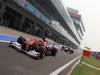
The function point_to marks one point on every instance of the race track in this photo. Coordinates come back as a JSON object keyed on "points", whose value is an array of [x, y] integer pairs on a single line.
{"points": [[13, 62]]}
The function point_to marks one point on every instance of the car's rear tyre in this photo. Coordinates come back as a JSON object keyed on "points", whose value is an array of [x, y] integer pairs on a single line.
{"points": [[72, 51], [23, 46], [21, 39]]}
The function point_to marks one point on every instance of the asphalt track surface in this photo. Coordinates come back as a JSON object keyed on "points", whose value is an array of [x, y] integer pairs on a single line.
{"points": [[13, 62]]}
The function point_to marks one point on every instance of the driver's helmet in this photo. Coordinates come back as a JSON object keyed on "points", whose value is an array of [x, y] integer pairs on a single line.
{"points": [[45, 39]]}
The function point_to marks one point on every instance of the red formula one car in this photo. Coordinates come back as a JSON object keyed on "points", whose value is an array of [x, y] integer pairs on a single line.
{"points": [[34, 48]]}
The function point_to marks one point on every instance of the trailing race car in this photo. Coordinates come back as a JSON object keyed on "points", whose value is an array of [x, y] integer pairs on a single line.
{"points": [[34, 48], [67, 50]]}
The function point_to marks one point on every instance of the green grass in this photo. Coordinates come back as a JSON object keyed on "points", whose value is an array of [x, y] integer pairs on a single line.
{"points": [[85, 70], [92, 61], [82, 69]]}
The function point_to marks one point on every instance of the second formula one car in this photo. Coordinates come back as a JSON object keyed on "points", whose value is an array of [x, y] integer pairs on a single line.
{"points": [[67, 50]]}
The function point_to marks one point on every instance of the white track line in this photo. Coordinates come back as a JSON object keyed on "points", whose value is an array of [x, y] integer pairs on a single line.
{"points": [[91, 66], [71, 70], [56, 72]]}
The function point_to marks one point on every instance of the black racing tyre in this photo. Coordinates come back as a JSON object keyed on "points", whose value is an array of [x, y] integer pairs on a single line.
{"points": [[72, 51], [54, 51], [23, 46], [21, 39], [41, 50], [41, 56], [66, 51]]}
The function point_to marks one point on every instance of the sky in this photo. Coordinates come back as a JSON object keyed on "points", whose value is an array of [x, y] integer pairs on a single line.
{"points": [[90, 11]]}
